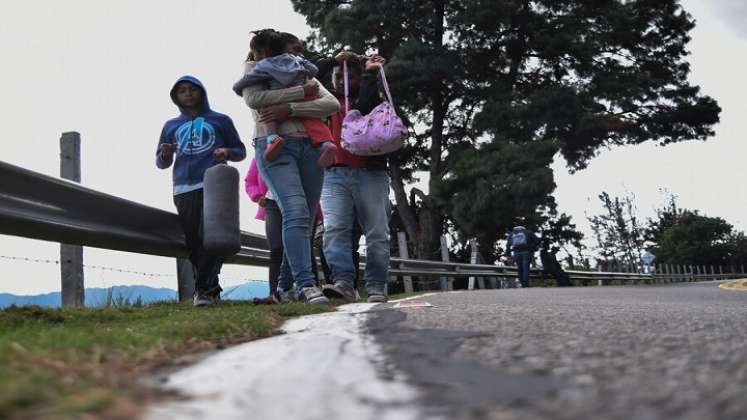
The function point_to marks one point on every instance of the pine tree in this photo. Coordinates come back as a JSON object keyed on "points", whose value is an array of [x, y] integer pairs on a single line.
{"points": [[486, 81]]}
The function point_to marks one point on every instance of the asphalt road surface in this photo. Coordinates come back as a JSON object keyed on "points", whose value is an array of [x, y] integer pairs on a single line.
{"points": [[635, 352]]}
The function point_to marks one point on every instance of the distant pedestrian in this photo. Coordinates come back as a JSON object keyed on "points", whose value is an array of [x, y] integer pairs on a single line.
{"points": [[521, 245], [193, 142]]}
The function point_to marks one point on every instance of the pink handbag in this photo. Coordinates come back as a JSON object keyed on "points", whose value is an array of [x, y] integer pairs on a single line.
{"points": [[378, 133]]}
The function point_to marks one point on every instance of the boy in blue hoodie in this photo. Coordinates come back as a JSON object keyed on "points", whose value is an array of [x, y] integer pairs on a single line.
{"points": [[194, 141]]}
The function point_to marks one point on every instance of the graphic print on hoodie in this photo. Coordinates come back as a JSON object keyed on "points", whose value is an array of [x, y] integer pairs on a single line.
{"points": [[196, 139]]}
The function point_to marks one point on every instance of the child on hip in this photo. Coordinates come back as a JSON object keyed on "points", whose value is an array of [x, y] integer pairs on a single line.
{"points": [[280, 69]]}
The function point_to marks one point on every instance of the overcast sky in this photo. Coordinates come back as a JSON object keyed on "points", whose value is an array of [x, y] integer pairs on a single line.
{"points": [[105, 68]]}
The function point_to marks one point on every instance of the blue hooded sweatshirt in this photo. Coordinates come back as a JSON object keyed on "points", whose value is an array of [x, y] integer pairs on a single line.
{"points": [[196, 139]]}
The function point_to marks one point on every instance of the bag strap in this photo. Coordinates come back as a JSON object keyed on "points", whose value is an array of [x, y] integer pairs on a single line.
{"points": [[383, 81], [345, 74], [386, 86]]}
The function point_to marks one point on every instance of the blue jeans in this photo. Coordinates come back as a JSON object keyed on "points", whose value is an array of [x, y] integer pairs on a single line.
{"points": [[295, 180], [523, 259], [349, 193]]}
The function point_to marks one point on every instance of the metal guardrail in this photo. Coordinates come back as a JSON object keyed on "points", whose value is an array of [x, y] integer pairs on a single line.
{"points": [[37, 206]]}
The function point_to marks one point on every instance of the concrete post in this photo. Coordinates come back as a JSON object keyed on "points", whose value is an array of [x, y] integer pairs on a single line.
{"points": [[71, 256], [403, 253], [185, 278], [472, 260], [447, 283]]}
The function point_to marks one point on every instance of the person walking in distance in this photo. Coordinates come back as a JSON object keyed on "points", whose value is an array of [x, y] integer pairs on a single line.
{"points": [[521, 244]]}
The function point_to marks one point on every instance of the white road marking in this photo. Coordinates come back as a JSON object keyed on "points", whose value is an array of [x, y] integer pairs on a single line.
{"points": [[324, 367]]}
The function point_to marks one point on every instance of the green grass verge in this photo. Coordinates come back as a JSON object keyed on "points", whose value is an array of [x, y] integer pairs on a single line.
{"points": [[64, 363]]}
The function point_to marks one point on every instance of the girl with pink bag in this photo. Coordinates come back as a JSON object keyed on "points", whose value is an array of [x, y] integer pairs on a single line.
{"points": [[356, 186], [377, 132]]}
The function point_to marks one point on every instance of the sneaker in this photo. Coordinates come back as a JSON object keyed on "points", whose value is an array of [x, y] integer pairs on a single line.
{"points": [[376, 297], [327, 158], [312, 294], [202, 300], [287, 296], [341, 289], [274, 147]]}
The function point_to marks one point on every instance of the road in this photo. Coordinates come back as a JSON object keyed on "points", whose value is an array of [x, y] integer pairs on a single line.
{"points": [[634, 352], [648, 352]]}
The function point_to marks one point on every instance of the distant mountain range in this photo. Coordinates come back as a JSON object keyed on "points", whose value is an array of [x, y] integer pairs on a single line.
{"points": [[98, 296]]}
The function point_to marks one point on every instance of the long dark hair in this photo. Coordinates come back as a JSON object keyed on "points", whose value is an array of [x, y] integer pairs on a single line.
{"points": [[268, 40]]}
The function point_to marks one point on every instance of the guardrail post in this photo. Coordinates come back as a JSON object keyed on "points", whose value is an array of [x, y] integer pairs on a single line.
{"points": [[403, 253], [599, 269], [661, 274], [185, 278], [472, 260], [71, 256], [721, 272], [447, 283]]}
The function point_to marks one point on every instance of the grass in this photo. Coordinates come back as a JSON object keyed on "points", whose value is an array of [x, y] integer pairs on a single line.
{"points": [[66, 363]]}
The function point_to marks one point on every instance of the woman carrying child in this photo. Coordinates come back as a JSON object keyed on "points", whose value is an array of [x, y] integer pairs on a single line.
{"points": [[294, 176]]}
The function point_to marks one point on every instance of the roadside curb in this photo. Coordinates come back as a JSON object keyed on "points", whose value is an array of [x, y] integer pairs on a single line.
{"points": [[734, 285]]}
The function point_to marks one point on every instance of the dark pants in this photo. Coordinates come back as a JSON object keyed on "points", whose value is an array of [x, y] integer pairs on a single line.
{"points": [[206, 267], [357, 233], [274, 234], [318, 250], [523, 259]]}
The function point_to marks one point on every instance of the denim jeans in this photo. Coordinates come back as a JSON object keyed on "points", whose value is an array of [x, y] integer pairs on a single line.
{"points": [[523, 259], [349, 193], [295, 180]]}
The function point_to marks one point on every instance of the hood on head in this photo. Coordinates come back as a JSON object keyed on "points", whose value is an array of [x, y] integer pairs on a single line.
{"points": [[195, 81]]}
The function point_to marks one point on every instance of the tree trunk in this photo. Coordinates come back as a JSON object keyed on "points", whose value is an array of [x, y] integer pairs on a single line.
{"points": [[425, 228]]}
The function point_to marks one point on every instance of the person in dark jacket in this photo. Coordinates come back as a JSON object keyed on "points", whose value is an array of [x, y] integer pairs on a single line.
{"points": [[193, 142], [323, 63], [522, 244], [356, 187]]}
